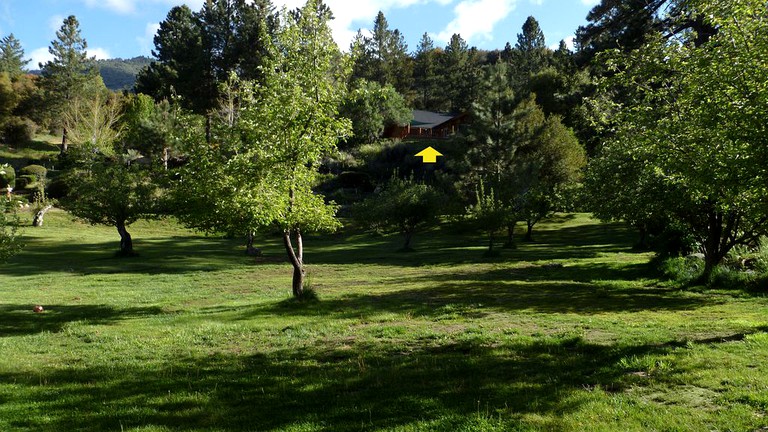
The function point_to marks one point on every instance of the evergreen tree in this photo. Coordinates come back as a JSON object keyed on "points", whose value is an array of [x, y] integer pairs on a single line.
{"points": [[196, 51], [71, 73], [426, 74], [383, 57], [12, 56], [460, 74], [530, 55]]}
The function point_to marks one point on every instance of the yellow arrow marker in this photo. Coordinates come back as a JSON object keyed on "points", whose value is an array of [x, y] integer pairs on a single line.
{"points": [[429, 155]]}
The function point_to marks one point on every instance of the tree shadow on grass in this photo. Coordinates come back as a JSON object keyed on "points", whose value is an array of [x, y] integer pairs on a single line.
{"points": [[19, 320], [347, 387], [166, 255], [585, 289], [442, 246]]}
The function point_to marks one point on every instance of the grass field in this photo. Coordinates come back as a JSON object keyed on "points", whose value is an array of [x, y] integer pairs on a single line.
{"points": [[193, 335]]}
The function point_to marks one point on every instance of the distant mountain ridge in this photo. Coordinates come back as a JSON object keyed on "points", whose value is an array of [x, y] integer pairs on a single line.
{"points": [[119, 74]]}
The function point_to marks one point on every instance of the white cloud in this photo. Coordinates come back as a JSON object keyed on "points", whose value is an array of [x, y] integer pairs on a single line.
{"points": [[54, 23], [568, 43], [348, 18], [39, 55], [476, 19], [119, 6], [99, 53], [146, 42]]}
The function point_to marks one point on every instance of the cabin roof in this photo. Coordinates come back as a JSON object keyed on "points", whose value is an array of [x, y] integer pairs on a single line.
{"points": [[429, 119]]}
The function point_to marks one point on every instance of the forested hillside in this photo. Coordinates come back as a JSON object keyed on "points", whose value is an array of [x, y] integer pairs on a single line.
{"points": [[120, 74]]}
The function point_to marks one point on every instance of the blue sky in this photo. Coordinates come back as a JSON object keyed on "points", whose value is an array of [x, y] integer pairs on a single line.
{"points": [[124, 28]]}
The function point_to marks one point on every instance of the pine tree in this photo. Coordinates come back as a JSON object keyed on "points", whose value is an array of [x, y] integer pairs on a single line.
{"points": [[460, 74], [425, 74], [531, 49], [70, 74], [383, 57], [12, 56]]}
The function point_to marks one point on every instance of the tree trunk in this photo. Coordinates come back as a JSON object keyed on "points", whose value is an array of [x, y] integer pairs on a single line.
{"points": [[126, 242], [408, 237], [208, 128], [37, 221], [529, 232], [251, 250], [715, 248], [642, 243], [510, 244], [490, 242], [166, 156], [64, 141], [296, 255]]}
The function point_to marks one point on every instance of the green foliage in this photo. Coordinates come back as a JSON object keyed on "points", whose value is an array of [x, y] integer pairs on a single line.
{"points": [[461, 75], [403, 205], [197, 51], [12, 56], [71, 74], [488, 213], [7, 176], [38, 171], [426, 75], [264, 163], [383, 57], [58, 188], [372, 108], [112, 192], [26, 181], [10, 241], [19, 130], [120, 74], [690, 136]]}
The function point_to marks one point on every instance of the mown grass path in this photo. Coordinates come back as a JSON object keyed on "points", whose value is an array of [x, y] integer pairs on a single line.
{"points": [[573, 332]]}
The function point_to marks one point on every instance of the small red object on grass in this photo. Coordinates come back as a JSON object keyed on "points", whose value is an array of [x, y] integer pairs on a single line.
{"points": [[37, 309]]}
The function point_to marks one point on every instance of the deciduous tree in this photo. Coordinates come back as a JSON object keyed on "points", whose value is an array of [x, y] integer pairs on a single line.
{"points": [[693, 124]]}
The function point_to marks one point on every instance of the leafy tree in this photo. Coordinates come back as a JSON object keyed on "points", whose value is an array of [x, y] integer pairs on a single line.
{"points": [[554, 163], [107, 186], [12, 56], [70, 74], [148, 128], [628, 24], [113, 192], [489, 213], [265, 163], [372, 108], [404, 205], [694, 125]]}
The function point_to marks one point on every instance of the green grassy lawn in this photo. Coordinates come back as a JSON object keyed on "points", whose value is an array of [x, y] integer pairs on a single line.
{"points": [[42, 150], [193, 335]]}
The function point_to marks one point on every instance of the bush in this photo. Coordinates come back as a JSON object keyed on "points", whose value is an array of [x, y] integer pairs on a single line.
{"points": [[38, 171], [23, 181], [19, 130], [7, 176], [57, 189], [356, 180], [682, 269]]}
